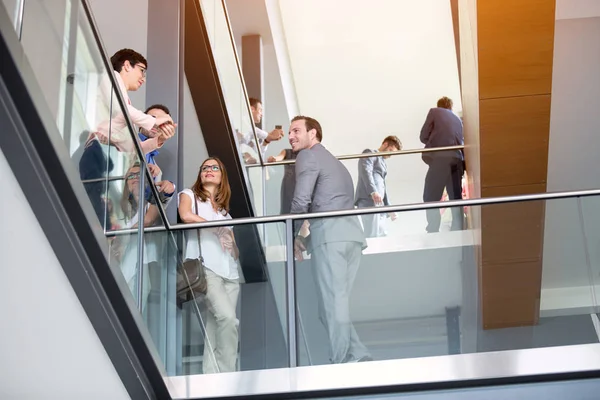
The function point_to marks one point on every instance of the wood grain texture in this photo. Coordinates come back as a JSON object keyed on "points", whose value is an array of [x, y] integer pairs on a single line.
{"points": [[514, 140], [516, 44], [510, 294]]}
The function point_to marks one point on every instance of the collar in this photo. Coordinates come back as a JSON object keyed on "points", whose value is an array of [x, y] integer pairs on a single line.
{"points": [[143, 138]]}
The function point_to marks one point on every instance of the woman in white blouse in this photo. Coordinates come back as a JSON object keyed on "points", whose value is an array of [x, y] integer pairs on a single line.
{"points": [[211, 194]]}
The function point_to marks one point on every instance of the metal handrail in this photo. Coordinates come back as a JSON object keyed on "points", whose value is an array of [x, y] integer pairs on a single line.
{"points": [[243, 82], [370, 210], [368, 155]]}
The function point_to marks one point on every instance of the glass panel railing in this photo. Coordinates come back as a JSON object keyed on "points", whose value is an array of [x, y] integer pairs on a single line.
{"points": [[422, 287], [244, 324], [235, 96], [401, 176], [411, 295], [91, 128]]}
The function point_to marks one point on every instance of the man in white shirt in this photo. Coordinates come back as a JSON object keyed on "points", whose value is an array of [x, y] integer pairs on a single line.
{"points": [[264, 137]]}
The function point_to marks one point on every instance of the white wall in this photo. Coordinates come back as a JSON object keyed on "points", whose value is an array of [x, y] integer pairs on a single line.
{"points": [[49, 347], [573, 151], [42, 40], [12, 8], [366, 70], [568, 9], [124, 24]]}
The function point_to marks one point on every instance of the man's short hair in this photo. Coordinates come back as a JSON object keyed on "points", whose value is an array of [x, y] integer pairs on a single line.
{"points": [[158, 107], [311, 123], [445, 102], [393, 141], [254, 102], [119, 58]]}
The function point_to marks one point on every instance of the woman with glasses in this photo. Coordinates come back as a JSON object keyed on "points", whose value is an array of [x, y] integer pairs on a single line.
{"points": [[208, 200], [124, 249]]}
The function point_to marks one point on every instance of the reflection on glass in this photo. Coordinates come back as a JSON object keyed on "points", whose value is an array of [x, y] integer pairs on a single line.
{"points": [[243, 335], [416, 295], [249, 149]]}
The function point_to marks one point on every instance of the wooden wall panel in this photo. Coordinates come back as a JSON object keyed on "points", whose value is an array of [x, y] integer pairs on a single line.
{"points": [[507, 295], [514, 140], [514, 41], [512, 232], [515, 55]]}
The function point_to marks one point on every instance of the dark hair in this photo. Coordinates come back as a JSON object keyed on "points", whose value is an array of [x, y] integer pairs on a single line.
{"points": [[394, 141], [310, 123], [254, 101], [158, 107], [119, 58], [223, 191], [445, 102]]}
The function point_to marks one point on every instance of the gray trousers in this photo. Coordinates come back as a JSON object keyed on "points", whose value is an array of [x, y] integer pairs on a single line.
{"points": [[373, 224], [335, 266], [443, 172]]}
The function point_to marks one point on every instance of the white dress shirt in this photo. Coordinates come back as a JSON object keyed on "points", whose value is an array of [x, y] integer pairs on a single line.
{"points": [[248, 140], [218, 261], [112, 120]]}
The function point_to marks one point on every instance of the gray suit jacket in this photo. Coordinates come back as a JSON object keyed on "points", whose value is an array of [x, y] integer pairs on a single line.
{"points": [[324, 184], [371, 178]]}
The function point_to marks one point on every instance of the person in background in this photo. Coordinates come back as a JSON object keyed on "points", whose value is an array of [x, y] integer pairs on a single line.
{"points": [[264, 137], [371, 189], [335, 244], [443, 128], [208, 200], [164, 133]]}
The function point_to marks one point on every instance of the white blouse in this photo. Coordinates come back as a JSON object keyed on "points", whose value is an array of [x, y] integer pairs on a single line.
{"points": [[218, 261]]}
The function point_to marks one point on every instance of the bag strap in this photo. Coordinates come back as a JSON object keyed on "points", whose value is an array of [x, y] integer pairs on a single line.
{"points": [[197, 230]]}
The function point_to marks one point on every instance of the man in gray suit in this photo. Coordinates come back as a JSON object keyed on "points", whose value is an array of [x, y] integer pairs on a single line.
{"points": [[443, 128], [371, 190], [335, 244]]}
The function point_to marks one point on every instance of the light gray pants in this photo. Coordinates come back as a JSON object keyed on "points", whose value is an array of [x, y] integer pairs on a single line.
{"points": [[335, 266], [373, 224], [221, 342]]}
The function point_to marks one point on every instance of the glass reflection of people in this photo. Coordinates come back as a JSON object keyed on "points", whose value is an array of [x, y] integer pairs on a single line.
{"points": [[371, 189], [124, 249], [264, 137], [211, 193], [443, 128]]}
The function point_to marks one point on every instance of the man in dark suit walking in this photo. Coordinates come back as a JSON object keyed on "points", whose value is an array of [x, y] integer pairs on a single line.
{"points": [[443, 128]]}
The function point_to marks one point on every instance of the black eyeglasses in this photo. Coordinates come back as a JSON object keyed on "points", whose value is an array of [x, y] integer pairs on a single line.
{"points": [[133, 175], [214, 168], [143, 69]]}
